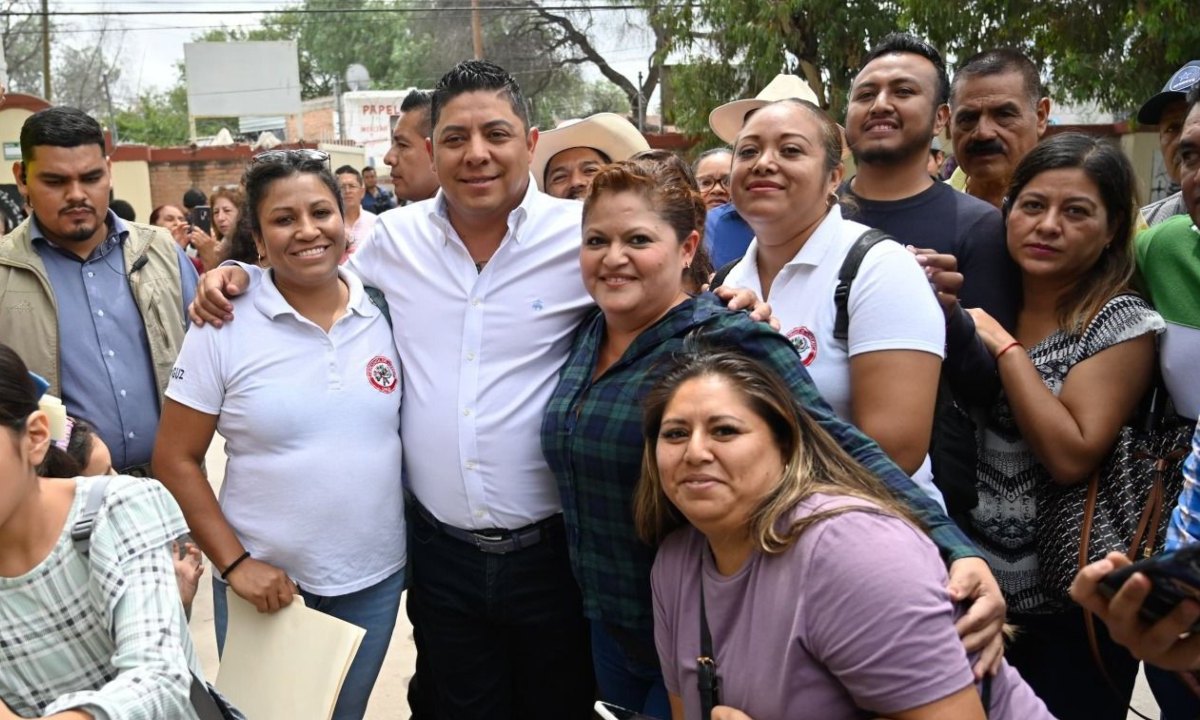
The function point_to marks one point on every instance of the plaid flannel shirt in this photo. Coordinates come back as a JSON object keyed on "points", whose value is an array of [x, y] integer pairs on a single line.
{"points": [[592, 439], [106, 635]]}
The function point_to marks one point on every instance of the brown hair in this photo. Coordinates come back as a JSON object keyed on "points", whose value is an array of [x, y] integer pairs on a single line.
{"points": [[233, 195], [667, 183], [813, 461], [1105, 165]]}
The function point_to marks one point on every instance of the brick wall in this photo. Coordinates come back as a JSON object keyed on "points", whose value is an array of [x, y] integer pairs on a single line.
{"points": [[170, 180], [320, 118]]}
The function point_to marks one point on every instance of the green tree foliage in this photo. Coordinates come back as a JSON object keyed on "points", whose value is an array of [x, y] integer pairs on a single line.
{"points": [[579, 99], [22, 32], [83, 77], [403, 50], [735, 47], [160, 119], [1114, 53]]}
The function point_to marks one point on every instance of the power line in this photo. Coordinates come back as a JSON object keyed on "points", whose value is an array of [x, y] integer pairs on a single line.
{"points": [[334, 11]]}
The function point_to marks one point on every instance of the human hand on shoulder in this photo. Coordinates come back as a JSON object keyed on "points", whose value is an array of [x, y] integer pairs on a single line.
{"points": [[991, 332], [981, 626], [213, 292], [744, 299], [941, 270]]}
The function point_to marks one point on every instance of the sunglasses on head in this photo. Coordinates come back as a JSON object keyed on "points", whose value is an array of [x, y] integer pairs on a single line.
{"points": [[301, 153]]}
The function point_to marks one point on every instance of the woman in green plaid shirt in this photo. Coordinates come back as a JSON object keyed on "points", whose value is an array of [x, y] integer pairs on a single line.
{"points": [[642, 226]]}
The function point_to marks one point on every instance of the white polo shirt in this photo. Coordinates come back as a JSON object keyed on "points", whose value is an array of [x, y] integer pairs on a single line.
{"points": [[891, 307], [311, 425], [482, 352]]}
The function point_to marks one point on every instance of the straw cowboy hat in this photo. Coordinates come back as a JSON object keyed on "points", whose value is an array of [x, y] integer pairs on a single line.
{"points": [[608, 133], [727, 120]]}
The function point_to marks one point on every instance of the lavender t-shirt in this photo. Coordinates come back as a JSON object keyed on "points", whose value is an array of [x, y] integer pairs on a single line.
{"points": [[852, 621]]}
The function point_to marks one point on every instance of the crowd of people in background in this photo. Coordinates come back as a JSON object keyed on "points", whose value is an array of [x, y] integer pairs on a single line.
{"points": [[745, 436]]}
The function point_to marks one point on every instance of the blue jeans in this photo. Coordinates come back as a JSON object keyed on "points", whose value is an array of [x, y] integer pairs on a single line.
{"points": [[632, 680], [374, 609]]}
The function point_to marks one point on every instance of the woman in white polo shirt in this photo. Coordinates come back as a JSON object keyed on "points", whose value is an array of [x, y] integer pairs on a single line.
{"points": [[305, 389], [883, 376]]}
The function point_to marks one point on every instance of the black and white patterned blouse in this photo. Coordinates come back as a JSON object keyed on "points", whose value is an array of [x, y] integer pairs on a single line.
{"points": [[1004, 523]]}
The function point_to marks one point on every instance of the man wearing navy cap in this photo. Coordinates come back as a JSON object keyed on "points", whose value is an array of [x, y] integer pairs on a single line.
{"points": [[1167, 110]]}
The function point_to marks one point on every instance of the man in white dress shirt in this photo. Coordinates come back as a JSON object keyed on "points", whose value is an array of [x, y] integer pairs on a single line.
{"points": [[484, 291], [485, 294]]}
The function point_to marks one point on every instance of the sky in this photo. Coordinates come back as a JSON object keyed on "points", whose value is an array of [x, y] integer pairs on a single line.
{"points": [[152, 44]]}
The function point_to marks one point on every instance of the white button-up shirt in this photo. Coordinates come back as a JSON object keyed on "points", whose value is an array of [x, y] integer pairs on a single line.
{"points": [[481, 353]]}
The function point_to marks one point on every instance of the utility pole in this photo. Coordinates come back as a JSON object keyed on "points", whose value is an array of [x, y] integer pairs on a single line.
{"points": [[46, 50], [112, 117], [641, 108], [476, 30], [338, 106]]}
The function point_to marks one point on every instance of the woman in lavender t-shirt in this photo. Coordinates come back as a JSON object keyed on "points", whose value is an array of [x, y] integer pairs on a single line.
{"points": [[823, 597]]}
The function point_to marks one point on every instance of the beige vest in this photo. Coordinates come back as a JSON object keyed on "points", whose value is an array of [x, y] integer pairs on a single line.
{"points": [[29, 313]]}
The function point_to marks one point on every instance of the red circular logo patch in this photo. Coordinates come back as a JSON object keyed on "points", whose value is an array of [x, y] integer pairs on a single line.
{"points": [[382, 374], [805, 342]]}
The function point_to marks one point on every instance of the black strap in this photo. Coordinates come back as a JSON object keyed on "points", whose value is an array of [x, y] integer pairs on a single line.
{"points": [[846, 275], [706, 664], [718, 278], [375, 295]]}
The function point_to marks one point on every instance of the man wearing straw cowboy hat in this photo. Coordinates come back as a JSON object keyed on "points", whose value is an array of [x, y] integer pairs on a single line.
{"points": [[568, 156], [726, 233]]}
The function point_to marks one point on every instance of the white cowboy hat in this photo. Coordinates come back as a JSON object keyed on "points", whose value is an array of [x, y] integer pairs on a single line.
{"points": [[727, 120], [609, 133]]}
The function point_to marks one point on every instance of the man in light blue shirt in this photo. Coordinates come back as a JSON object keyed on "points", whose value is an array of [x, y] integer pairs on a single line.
{"points": [[91, 302]]}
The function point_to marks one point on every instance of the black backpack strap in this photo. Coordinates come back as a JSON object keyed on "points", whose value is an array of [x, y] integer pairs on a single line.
{"points": [[376, 297], [841, 295], [719, 276], [81, 531]]}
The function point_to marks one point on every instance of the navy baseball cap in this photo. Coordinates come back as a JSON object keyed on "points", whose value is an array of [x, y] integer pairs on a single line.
{"points": [[1175, 89]]}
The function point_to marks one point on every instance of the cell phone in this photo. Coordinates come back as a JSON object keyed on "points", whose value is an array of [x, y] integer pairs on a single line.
{"points": [[1174, 576], [608, 711], [201, 217]]}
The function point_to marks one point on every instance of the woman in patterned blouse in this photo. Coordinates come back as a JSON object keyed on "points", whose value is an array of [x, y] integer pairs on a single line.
{"points": [[1081, 359]]}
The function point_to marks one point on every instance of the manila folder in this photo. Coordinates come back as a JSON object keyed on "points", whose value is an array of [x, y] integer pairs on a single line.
{"points": [[287, 665]]}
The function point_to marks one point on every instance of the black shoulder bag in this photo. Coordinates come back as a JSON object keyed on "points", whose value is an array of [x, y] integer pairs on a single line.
{"points": [[706, 665]]}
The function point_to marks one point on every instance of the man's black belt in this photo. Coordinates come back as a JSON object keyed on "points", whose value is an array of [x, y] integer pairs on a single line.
{"points": [[493, 542]]}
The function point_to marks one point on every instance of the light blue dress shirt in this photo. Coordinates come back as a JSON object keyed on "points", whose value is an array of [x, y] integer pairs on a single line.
{"points": [[107, 375]]}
